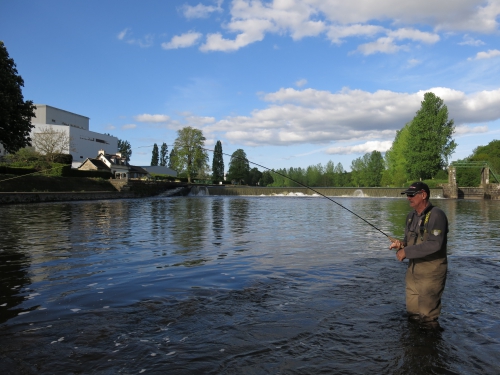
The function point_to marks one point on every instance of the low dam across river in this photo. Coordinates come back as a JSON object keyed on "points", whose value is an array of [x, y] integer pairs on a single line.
{"points": [[492, 191], [329, 191]]}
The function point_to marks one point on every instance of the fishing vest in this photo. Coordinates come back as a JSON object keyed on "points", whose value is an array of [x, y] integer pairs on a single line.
{"points": [[420, 234]]}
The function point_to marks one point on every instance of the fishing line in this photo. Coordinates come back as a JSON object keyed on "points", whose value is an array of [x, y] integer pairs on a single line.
{"points": [[308, 187]]}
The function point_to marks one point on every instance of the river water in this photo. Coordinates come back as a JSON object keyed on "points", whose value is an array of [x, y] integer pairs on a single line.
{"points": [[238, 285]]}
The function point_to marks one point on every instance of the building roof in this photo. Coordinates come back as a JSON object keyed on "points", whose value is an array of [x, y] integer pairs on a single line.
{"points": [[136, 169], [99, 164], [158, 169]]}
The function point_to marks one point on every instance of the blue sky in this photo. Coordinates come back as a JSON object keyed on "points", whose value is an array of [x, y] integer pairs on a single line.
{"points": [[292, 82]]}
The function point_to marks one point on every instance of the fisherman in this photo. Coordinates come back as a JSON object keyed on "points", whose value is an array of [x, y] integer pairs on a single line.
{"points": [[424, 244]]}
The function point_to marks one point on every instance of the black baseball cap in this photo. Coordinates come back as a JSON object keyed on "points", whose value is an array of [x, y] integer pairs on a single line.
{"points": [[416, 187]]}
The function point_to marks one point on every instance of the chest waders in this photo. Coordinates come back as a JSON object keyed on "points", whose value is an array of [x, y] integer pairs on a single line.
{"points": [[425, 277]]}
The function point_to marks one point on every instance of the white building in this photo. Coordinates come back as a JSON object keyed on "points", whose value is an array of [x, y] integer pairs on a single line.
{"points": [[84, 143]]}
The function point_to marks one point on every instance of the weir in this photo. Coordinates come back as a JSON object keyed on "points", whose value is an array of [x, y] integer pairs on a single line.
{"points": [[331, 192]]}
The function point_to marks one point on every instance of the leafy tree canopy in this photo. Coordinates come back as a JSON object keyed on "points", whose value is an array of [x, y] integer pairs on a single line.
{"points": [[238, 166], [125, 149], [155, 158], [190, 156], [163, 154], [15, 113], [395, 158], [254, 176], [430, 144], [218, 163], [266, 179]]}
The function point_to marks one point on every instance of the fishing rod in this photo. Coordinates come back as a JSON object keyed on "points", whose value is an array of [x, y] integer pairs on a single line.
{"points": [[392, 239]]}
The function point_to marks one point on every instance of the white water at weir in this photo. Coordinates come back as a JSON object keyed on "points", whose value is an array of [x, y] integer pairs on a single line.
{"points": [[358, 193], [199, 191]]}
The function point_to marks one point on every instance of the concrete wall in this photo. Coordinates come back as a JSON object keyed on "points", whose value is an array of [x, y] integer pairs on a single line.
{"points": [[84, 143], [45, 114], [329, 192], [16, 198]]}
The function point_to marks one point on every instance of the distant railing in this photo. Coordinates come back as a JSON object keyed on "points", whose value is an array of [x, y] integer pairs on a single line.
{"points": [[475, 164]]}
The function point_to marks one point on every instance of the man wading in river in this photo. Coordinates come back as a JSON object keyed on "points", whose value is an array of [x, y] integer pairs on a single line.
{"points": [[424, 245]]}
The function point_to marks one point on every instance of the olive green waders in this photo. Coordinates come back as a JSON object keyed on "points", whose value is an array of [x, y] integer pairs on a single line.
{"points": [[425, 280]]}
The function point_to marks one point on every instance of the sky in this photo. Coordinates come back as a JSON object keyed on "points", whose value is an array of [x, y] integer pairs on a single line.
{"points": [[293, 83]]}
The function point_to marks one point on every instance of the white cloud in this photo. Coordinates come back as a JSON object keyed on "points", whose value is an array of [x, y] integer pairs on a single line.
{"points": [[382, 45], [145, 42], [464, 129], [486, 55], [121, 34], [110, 127], [469, 41], [413, 62], [320, 117], [251, 20], [301, 82], [129, 126], [370, 146], [151, 118], [413, 34], [200, 10], [182, 41]]}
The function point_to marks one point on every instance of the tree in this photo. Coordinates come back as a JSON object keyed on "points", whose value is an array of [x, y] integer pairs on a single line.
{"points": [[154, 155], [254, 176], [190, 156], [51, 143], [238, 166], [163, 154], [374, 170], [172, 160], [430, 134], [125, 149], [396, 173], [266, 179], [218, 163], [15, 113]]}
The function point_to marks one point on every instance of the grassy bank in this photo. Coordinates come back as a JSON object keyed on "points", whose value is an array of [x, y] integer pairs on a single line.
{"points": [[29, 183]]}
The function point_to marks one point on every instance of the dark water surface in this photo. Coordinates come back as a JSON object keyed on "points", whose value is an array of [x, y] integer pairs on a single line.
{"points": [[238, 285]]}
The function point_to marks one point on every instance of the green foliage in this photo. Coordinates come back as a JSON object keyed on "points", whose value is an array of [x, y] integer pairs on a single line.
{"points": [[489, 153], [190, 157], [163, 154], [15, 113], [367, 170], [24, 156], [172, 159], [218, 163], [239, 167], [254, 176], [396, 160], [430, 143], [155, 158], [125, 149], [18, 171], [266, 179]]}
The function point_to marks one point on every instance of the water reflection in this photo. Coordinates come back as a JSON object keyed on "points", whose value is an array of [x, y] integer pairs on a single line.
{"points": [[218, 220], [163, 284]]}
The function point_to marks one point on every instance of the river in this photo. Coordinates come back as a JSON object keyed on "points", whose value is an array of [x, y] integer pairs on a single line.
{"points": [[238, 285]]}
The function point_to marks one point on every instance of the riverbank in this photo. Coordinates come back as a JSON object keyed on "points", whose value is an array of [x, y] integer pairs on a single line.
{"points": [[36, 189]]}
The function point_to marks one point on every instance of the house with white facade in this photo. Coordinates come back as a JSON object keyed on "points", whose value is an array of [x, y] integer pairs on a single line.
{"points": [[114, 163], [83, 143]]}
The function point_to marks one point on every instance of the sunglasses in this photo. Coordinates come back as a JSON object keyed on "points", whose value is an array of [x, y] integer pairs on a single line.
{"points": [[413, 194]]}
